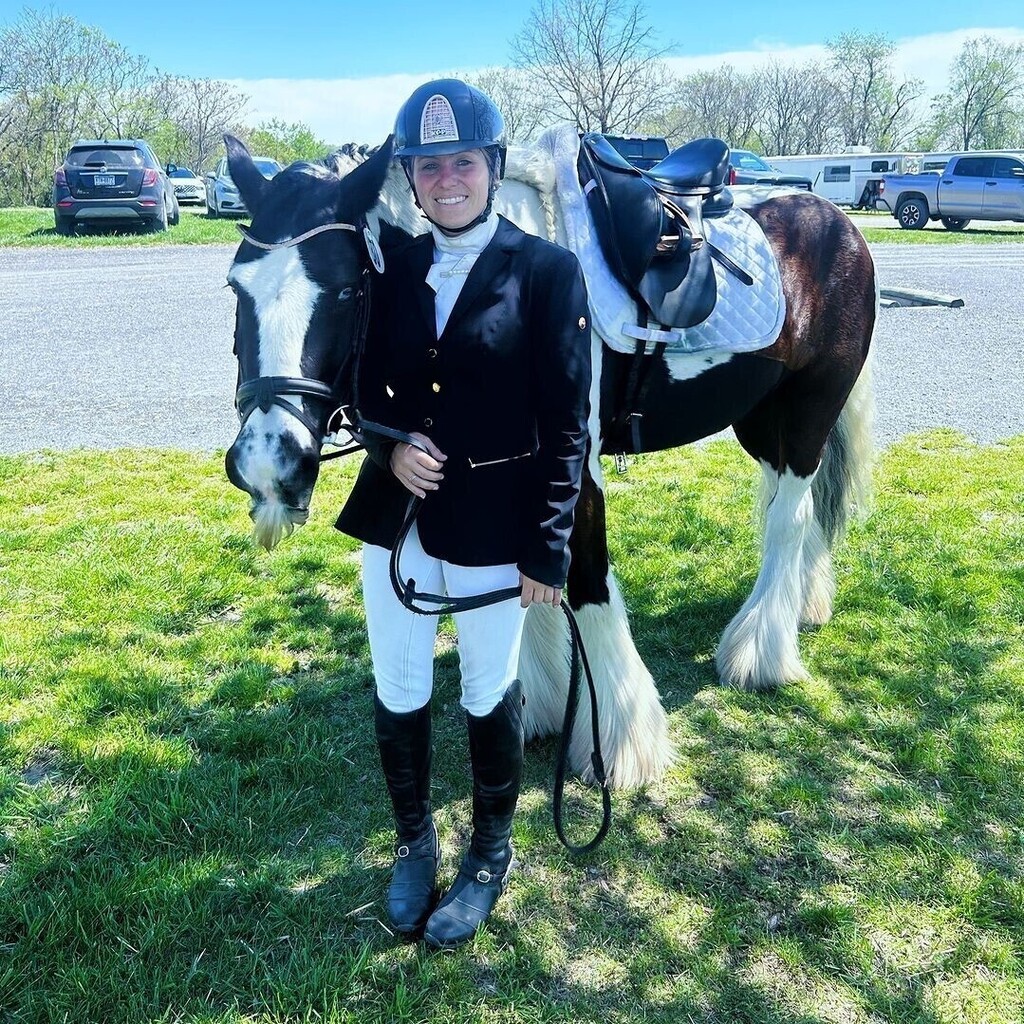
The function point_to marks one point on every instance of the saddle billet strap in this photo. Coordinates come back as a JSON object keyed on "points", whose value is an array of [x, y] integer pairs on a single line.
{"points": [[734, 268], [636, 386], [409, 596]]}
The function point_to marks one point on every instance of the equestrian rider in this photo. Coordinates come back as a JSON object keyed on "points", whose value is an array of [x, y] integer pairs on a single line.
{"points": [[479, 347]]}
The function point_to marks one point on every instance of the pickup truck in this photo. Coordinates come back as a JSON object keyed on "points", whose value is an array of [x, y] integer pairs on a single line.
{"points": [[972, 186]]}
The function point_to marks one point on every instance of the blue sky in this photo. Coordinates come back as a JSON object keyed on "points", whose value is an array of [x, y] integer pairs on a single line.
{"points": [[343, 39], [344, 66]]}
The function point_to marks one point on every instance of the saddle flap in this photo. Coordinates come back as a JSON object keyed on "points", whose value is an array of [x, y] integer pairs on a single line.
{"points": [[628, 215]]}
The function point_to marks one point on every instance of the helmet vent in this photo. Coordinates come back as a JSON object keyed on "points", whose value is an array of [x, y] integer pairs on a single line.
{"points": [[438, 121]]}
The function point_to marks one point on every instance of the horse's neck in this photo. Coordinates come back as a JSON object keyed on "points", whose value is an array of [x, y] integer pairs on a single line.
{"points": [[526, 197]]}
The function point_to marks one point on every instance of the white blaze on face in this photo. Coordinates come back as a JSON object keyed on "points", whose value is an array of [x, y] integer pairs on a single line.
{"points": [[284, 298]]}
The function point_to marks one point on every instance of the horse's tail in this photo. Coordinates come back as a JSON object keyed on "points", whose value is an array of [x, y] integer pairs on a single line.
{"points": [[843, 483]]}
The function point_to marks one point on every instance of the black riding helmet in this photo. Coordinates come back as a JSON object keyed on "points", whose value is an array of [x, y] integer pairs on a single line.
{"points": [[449, 116]]}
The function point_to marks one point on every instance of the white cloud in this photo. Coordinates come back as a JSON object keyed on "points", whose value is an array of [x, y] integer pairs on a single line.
{"points": [[338, 110], [363, 109]]}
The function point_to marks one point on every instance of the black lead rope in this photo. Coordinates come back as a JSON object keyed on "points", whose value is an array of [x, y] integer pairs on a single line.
{"points": [[412, 599]]}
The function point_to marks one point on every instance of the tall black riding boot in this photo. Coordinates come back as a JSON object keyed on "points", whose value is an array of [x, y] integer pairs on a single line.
{"points": [[404, 742], [496, 750]]}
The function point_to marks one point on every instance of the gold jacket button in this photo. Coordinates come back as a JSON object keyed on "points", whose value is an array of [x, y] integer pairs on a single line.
{"points": [[435, 387]]}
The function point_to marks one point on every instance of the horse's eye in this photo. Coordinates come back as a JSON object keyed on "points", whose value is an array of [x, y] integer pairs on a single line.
{"points": [[345, 294]]}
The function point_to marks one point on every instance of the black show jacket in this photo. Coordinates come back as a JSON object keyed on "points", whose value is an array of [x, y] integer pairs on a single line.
{"points": [[504, 393]]}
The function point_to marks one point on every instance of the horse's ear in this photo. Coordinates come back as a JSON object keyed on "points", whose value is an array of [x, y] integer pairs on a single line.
{"points": [[244, 173], [363, 185]]}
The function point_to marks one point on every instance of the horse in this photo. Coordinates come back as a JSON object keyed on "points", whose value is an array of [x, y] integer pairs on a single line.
{"points": [[801, 408]]}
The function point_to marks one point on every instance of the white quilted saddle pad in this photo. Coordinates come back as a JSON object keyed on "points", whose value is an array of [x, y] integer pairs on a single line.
{"points": [[745, 318]]}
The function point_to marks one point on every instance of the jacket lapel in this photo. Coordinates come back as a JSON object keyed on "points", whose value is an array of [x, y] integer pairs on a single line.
{"points": [[507, 239], [420, 256]]}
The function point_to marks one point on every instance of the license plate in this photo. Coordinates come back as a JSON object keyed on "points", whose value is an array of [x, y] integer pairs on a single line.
{"points": [[103, 179]]}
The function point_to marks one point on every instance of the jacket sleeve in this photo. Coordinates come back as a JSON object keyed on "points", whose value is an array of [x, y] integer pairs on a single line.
{"points": [[559, 322], [372, 379]]}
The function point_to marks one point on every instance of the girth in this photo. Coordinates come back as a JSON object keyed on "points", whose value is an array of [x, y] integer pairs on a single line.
{"points": [[650, 224]]}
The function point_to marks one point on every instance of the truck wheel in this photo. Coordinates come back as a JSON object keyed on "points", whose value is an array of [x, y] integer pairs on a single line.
{"points": [[912, 213], [955, 223]]}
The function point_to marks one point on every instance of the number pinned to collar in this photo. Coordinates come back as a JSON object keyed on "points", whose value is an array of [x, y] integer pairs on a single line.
{"points": [[373, 248]]}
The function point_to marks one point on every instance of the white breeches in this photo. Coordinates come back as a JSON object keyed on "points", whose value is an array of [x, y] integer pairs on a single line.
{"points": [[402, 642]]}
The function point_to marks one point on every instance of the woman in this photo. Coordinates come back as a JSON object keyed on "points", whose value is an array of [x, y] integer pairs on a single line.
{"points": [[479, 347]]}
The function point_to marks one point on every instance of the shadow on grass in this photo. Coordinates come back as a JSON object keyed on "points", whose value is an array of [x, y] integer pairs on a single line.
{"points": [[232, 859]]}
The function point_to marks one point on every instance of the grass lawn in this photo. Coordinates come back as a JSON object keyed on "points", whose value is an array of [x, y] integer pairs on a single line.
{"points": [[31, 226], [193, 827], [34, 227]]}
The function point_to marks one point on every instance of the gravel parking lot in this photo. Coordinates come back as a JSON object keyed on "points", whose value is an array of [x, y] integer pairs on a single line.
{"points": [[112, 348]]}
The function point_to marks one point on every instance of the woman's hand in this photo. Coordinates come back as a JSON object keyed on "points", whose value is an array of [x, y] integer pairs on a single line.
{"points": [[538, 593], [416, 470]]}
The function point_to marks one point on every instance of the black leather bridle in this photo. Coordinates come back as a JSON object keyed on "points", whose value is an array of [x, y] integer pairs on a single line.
{"points": [[265, 392]]}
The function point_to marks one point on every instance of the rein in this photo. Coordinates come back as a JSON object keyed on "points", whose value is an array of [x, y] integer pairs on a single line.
{"points": [[412, 599], [264, 392]]}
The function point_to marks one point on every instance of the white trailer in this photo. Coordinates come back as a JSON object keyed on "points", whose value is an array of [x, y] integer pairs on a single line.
{"points": [[850, 178]]}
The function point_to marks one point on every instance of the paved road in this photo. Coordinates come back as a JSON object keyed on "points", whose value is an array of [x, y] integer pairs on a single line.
{"points": [[111, 348]]}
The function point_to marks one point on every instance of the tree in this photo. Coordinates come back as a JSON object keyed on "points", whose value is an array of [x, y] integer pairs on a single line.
{"points": [[872, 108], [596, 62], [983, 108], [514, 93], [202, 109], [286, 143], [724, 103]]}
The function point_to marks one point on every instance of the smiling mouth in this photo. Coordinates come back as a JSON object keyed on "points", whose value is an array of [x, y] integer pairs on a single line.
{"points": [[451, 200]]}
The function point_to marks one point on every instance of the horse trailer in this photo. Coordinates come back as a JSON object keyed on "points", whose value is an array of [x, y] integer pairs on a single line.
{"points": [[850, 178]]}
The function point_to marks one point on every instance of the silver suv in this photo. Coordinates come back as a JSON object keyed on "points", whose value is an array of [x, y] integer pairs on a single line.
{"points": [[112, 182]]}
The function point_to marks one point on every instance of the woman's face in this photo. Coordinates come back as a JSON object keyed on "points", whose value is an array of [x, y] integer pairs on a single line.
{"points": [[452, 188]]}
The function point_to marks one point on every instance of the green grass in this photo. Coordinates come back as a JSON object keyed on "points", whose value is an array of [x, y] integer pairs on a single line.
{"points": [[27, 226], [34, 227], [880, 226], [193, 827], [976, 233]]}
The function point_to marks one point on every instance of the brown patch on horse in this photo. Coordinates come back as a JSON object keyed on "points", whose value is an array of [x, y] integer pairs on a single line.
{"points": [[819, 250]]}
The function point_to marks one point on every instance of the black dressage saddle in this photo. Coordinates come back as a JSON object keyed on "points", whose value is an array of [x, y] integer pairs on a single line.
{"points": [[650, 225]]}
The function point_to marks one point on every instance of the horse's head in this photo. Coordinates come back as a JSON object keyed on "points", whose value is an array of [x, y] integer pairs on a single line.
{"points": [[297, 314]]}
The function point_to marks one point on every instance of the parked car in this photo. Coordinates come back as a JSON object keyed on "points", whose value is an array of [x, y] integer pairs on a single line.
{"points": [[747, 168], [642, 151], [188, 187], [221, 194], [112, 182], [971, 186]]}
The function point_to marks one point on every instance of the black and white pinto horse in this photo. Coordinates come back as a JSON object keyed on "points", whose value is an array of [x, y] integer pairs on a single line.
{"points": [[802, 409]]}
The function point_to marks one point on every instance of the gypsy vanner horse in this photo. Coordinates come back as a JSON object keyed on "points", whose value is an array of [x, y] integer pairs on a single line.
{"points": [[802, 408]]}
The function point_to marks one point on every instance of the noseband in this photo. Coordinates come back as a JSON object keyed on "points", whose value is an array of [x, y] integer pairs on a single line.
{"points": [[263, 392]]}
